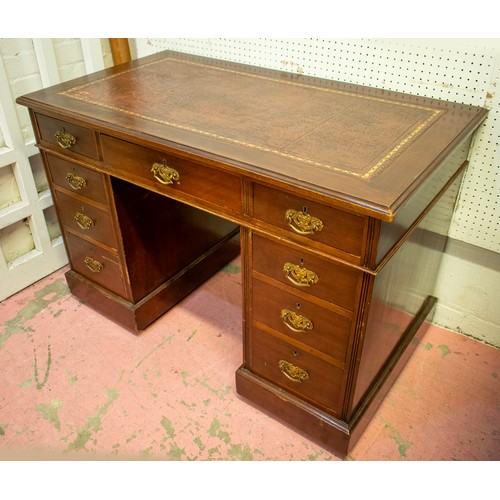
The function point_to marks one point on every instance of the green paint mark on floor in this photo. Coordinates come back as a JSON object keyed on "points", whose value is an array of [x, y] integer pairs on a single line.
{"points": [[175, 453], [49, 412], [2, 429], [445, 350], [185, 376], [215, 431], [26, 383], [199, 443], [403, 445], [314, 456], [494, 375], [169, 428], [93, 423], [222, 393], [42, 299], [192, 335], [58, 313], [40, 385], [427, 346], [238, 452], [232, 269], [147, 452], [133, 436], [168, 340], [213, 451]]}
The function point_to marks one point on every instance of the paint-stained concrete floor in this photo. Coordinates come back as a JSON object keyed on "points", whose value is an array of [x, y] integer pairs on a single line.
{"points": [[75, 385]]}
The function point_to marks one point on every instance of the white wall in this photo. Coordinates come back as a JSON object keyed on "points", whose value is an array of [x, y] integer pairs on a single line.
{"points": [[468, 289]]}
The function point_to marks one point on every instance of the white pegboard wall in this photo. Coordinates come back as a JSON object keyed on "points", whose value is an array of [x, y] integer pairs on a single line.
{"points": [[457, 70]]}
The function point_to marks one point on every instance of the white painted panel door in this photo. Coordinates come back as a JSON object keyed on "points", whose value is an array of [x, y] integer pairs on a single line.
{"points": [[31, 245]]}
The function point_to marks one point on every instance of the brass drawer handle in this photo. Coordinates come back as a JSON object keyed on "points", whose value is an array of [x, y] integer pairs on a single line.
{"points": [[303, 223], [75, 181], [300, 276], [84, 221], [65, 139], [292, 372], [296, 322], [164, 174], [94, 265]]}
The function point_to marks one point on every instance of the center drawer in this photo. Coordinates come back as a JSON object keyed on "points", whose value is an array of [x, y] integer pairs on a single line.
{"points": [[171, 175], [304, 271]]}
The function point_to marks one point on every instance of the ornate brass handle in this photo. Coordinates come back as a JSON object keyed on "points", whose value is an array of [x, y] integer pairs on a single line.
{"points": [[65, 139], [75, 181], [300, 276], [292, 372], [94, 265], [296, 322], [164, 174], [84, 221], [303, 223]]}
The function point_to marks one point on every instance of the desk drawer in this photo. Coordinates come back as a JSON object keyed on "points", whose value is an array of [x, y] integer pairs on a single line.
{"points": [[328, 280], [309, 220], [171, 175], [86, 220], [96, 264], [67, 137], [81, 180], [301, 320], [296, 371]]}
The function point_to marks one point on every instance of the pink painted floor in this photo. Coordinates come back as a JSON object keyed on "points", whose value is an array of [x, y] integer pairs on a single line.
{"points": [[76, 386]]}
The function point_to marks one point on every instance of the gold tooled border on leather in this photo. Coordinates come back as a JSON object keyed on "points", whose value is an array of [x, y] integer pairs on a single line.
{"points": [[79, 93]]}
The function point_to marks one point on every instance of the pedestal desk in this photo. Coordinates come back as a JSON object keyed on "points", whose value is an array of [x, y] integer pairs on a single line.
{"points": [[339, 197]]}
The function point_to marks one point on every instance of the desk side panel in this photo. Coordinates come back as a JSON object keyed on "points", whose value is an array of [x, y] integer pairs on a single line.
{"points": [[400, 290]]}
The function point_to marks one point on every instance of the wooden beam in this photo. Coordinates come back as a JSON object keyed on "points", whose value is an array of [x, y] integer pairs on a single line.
{"points": [[120, 50]]}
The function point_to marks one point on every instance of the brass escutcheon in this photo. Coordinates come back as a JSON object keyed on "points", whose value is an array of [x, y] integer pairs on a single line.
{"points": [[300, 276], [296, 322], [65, 139], [164, 174], [292, 372], [75, 181], [94, 265], [84, 221], [303, 223]]}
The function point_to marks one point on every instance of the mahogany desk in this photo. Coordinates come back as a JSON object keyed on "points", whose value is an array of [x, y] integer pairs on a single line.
{"points": [[341, 196]]}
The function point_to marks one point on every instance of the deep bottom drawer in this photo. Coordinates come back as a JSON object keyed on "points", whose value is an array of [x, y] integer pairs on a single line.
{"points": [[296, 371]]}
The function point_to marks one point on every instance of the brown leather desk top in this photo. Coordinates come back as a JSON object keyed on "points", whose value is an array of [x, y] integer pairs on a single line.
{"points": [[365, 146]]}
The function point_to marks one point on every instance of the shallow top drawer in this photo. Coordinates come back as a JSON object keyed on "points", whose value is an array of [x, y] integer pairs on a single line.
{"points": [[76, 178], [67, 136], [309, 220], [171, 175]]}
